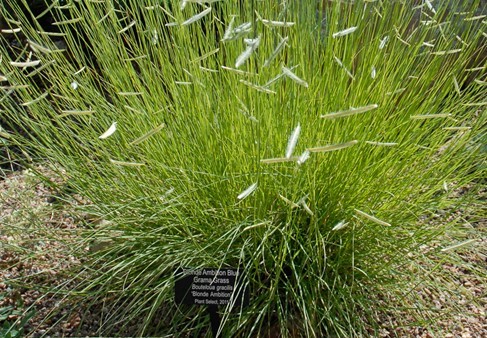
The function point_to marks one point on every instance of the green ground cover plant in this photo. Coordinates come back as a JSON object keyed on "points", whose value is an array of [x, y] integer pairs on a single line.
{"points": [[11, 328], [301, 141]]}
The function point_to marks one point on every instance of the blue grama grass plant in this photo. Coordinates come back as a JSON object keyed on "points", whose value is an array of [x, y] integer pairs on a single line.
{"points": [[298, 140]]}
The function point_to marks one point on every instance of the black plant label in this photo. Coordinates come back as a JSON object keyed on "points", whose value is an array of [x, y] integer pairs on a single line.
{"points": [[210, 286]]}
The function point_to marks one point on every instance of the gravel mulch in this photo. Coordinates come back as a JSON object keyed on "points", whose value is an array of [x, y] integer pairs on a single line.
{"points": [[35, 239]]}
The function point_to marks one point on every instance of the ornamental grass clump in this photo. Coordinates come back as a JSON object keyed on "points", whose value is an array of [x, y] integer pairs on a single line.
{"points": [[299, 141]]}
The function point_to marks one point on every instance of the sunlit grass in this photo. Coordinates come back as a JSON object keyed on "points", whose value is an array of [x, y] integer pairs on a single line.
{"points": [[189, 146]]}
